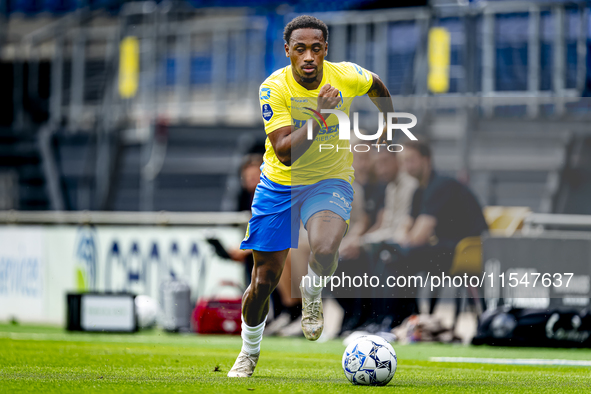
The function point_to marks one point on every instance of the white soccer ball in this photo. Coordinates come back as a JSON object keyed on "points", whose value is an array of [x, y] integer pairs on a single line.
{"points": [[369, 360], [146, 309]]}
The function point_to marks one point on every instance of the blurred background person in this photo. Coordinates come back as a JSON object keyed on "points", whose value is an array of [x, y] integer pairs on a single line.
{"points": [[397, 188], [443, 212], [397, 202], [400, 188], [250, 173], [365, 188], [351, 258], [366, 179]]}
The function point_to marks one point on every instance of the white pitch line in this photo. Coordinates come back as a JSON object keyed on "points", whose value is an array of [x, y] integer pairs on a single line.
{"points": [[512, 361]]}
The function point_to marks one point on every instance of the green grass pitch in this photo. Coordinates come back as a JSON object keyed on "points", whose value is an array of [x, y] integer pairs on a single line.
{"points": [[44, 359]]}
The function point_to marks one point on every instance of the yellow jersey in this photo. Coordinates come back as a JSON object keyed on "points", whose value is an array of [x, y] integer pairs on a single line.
{"points": [[284, 102]]}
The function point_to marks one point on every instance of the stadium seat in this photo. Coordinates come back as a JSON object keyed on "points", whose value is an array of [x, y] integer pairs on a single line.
{"points": [[505, 220], [501, 221], [467, 257], [467, 260]]}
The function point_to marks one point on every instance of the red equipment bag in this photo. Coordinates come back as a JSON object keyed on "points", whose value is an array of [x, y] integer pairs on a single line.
{"points": [[218, 315]]}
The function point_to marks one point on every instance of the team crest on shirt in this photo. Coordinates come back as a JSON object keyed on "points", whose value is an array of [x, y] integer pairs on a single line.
{"points": [[267, 112], [265, 94]]}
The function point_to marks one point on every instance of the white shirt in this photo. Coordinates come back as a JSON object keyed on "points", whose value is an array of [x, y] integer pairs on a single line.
{"points": [[397, 202]]}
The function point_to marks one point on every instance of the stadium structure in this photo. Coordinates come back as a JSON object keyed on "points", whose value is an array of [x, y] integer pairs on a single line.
{"points": [[148, 106], [124, 128]]}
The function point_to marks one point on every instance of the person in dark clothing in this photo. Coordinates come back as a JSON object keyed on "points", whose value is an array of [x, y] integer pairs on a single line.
{"points": [[443, 212], [250, 174]]}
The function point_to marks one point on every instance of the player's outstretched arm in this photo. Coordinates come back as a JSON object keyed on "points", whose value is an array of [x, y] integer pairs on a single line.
{"points": [[290, 144], [377, 92]]}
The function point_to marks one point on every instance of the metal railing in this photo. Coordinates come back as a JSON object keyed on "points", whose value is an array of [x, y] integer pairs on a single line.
{"points": [[206, 69], [175, 82], [367, 36], [200, 68], [124, 218]]}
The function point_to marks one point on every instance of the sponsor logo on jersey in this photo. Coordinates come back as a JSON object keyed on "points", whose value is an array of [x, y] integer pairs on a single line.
{"points": [[323, 130]]}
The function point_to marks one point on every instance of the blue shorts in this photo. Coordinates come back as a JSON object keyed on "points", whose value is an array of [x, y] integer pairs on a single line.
{"points": [[277, 211]]}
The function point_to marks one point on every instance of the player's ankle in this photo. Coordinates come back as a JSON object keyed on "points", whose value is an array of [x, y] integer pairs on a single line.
{"points": [[252, 337], [312, 284], [312, 292]]}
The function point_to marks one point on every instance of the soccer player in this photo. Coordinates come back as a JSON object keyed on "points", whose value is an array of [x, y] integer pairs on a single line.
{"points": [[320, 195]]}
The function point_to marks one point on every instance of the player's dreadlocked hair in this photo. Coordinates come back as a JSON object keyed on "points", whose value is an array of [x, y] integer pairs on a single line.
{"points": [[305, 22]]}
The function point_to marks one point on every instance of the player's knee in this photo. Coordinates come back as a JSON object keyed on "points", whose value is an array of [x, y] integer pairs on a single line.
{"points": [[325, 254], [265, 282]]}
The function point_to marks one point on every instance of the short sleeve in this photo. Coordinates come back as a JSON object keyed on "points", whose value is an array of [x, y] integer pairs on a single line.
{"points": [[364, 79], [274, 109]]}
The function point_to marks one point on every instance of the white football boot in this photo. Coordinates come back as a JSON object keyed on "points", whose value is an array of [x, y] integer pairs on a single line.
{"points": [[312, 316], [244, 365]]}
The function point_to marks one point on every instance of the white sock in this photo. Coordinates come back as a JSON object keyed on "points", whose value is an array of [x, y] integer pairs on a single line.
{"points": [[252, 337], [312, 283]]}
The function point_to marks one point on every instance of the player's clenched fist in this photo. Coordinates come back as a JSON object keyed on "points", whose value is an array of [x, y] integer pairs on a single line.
{"points": [[328, 97]]}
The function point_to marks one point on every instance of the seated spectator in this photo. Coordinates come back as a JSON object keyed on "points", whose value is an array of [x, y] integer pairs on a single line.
{"points": [[359, 221], [398, 193], [399, 188], [350, 262], [443, 211], [250, 173], [365, 179], [398, 196]]}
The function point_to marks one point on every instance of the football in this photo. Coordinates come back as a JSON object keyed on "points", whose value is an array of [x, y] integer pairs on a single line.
{"points": [[369, 360]]}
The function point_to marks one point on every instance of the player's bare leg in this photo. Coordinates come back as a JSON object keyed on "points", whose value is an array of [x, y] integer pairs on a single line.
{"points": [[284, 285], [266, 272], [325, 232]]}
